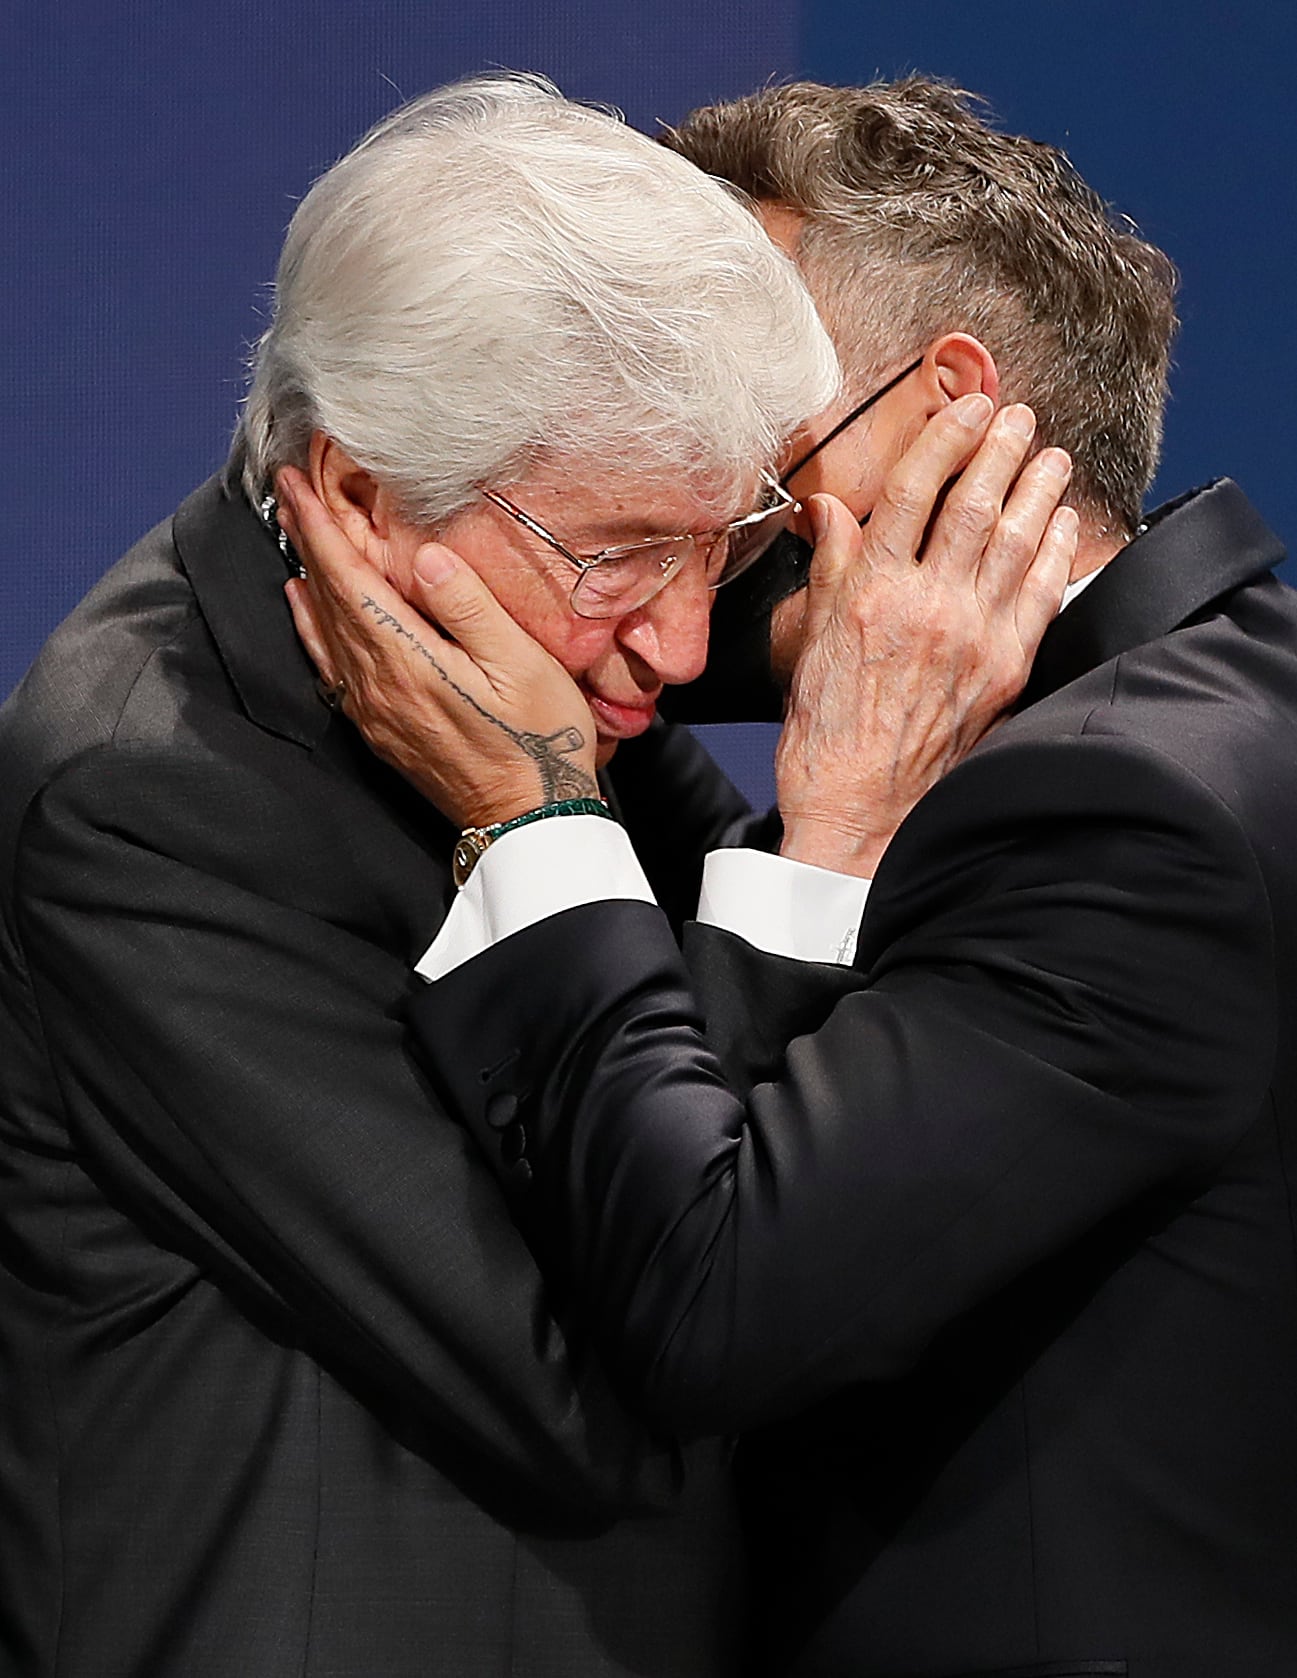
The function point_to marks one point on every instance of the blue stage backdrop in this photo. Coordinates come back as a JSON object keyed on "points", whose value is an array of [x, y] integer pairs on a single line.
{"points": [[155, 151]]}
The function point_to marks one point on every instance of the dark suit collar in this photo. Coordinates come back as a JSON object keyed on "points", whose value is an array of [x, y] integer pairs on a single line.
{"points": [[238, 576], [1188, 553]]}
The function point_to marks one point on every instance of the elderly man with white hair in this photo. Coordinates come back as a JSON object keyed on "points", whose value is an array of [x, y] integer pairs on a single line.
{"points": [[284, 1391]]}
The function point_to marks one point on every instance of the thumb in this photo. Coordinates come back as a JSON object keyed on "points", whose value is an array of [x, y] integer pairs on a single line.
{"points": [[838, 545], [450, 593]]}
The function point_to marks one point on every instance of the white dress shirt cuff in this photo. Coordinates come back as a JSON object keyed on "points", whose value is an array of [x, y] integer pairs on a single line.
{"points": [[531, 873], [783, 907]]}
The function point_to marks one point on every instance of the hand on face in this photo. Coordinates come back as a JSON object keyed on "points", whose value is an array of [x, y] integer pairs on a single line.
{"points": [[445, 686], [619, 662], [920, 628]]}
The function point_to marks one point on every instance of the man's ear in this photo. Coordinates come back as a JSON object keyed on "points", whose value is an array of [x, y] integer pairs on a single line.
{"points": [[352, 495], [957, 364]]}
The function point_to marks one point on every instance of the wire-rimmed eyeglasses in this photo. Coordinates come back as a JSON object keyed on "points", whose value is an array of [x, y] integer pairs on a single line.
{"points": [[621, 579]]}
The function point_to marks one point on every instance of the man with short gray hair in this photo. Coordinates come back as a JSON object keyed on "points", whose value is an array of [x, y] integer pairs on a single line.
{"points": [[922, 231], [911, 216]]}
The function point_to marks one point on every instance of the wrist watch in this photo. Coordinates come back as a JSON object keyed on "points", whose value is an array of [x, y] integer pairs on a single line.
{"points": [[471, 846]]}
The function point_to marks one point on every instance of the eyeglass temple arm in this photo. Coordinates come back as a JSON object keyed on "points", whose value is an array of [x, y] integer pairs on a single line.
{"points": [[582, 564], [851, 419]]}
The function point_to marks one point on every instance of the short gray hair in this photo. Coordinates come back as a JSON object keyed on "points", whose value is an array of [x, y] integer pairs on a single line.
{"points": [[921, 218], [495, 276]]}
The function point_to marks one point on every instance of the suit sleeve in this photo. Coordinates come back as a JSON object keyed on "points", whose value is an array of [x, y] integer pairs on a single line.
{"points": [[227, 1029], [1063, 1004]]}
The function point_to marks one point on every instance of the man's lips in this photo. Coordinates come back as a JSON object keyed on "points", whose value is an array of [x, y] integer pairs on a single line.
{"points": [[618, 721]]}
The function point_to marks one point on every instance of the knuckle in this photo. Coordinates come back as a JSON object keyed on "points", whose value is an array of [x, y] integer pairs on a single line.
{"points": [[972, 510], [903, 499], [1015, 533]]}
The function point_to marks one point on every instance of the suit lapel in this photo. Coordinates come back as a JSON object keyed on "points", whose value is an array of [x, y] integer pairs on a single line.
{"points": [[1189, 553], [238, 577], [238, 573]]}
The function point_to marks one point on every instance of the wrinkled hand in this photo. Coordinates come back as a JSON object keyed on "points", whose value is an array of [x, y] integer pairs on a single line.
{"points": [[471, 710], [920, 630]]}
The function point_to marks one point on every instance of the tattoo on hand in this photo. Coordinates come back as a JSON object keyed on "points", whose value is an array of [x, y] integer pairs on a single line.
{"points": [[551, 753]]}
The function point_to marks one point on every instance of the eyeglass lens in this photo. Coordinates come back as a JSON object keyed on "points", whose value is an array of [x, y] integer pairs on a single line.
{"points": [[615, 586]]}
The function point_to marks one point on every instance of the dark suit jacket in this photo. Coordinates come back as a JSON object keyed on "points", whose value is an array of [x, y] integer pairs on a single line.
{"points": [[281, 1391], [993, 1253]]}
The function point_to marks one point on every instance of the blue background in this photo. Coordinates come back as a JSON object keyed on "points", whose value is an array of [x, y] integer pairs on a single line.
{"points": [[153, 154]]}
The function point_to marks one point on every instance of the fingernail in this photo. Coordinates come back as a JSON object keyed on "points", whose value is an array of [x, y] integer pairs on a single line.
{"points": [[1021, 421], [1057, 462], [433, 564], [819, 514], [974, 411]]}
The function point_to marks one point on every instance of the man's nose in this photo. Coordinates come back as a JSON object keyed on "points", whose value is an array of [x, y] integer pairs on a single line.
{"points": [[669, 633]]}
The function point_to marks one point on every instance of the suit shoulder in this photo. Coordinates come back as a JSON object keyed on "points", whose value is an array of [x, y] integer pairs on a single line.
{"points": [[129, 666], [1069, 790], [1216, 699], [81, 685]]}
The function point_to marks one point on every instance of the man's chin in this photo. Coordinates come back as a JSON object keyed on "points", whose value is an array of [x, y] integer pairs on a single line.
{"points": [[603, 750]]}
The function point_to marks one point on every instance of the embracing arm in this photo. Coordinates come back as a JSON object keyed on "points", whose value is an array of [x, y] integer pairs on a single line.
{"points": [[965, 591], [1074, 1018]]}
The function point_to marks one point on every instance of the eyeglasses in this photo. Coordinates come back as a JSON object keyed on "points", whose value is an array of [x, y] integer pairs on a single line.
{"points": [[618, 580], [852, 417]]}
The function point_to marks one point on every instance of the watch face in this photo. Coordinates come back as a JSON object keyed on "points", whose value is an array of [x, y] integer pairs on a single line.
{"points": [[463, 859]]}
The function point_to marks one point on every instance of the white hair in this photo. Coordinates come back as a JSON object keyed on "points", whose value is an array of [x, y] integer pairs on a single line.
{"points": [[494, 276]]}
